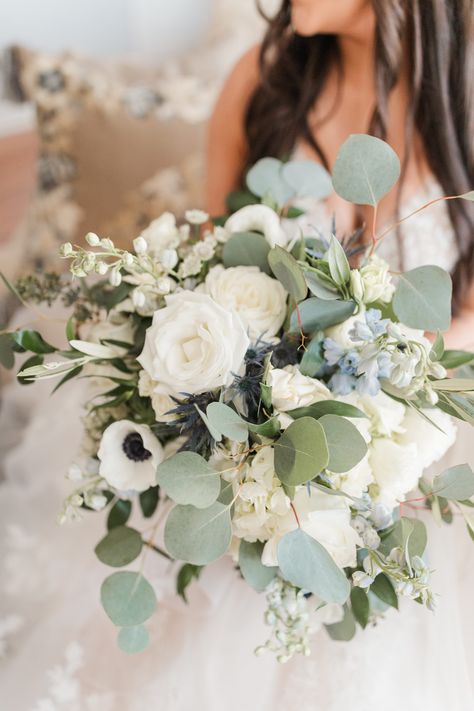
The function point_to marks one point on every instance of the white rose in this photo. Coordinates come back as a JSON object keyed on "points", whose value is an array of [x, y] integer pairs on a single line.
{"points": [[431, 444], [396, 469], [385, 413], [260, 218], [292, 389], [356, 481], [193, 345], [259, 300], [161, 402], [129, 455], [372, 282]]}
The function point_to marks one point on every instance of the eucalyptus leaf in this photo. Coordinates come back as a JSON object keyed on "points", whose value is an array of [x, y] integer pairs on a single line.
{"points": [[312, 359], [265, 177], [344, 630], [198, 536], [133, 640], [422, 298], [320, 288], [455, 484], [257, 575], [338, 263], [327, 407], [288, 272], [119, 547], [306, 563], [366, 168], [127, 598], [346, 445], [382, 587], [307, 178], [247, 249], [319, 314], [188, 478], [226, 421], [270, 428], [301, 452]]}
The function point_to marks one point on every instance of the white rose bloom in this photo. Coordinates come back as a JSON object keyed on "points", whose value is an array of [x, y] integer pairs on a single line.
{"points": [[372, 282], [129, 455], [385, 413], [193, 345], [356, 481], [161, 402], [431, 444], [260, 218], [259, 300], [292, 389], [396, 469]]}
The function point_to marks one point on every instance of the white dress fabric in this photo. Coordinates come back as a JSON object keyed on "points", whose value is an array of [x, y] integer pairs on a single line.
{"points": [[57, 647]]}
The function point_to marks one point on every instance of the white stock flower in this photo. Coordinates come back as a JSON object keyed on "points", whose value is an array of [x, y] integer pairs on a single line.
{"points": [[260, 218], [396, 469], [356, 481], [193, 344], [129, 455], [161, 234], [161, 402], [292, 389], [372, 282], [259, 300], [196, 217]]}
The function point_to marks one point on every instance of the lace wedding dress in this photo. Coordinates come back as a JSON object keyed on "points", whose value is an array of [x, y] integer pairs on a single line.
{"points": [[58, 647]]}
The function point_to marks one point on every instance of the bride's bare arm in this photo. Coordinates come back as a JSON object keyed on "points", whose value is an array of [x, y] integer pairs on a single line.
{"points": [[226, 144]]}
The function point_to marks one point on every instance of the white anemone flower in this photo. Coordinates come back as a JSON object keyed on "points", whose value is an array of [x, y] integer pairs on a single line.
{"points": [[261, 218], [129, 455]]}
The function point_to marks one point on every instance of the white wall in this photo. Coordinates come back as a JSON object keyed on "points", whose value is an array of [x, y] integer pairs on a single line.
{"points": [[152, 28]]}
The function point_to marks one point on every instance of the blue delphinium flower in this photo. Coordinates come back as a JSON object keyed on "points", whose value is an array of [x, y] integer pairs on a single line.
{"points": [[349, 363], [371, 328], [332, 351], [342, 384]]}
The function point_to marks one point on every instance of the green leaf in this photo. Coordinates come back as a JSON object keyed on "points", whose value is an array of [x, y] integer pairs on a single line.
{"points": [[187, 573], [119, 513], [320, 288], [238, 199], [457, 406], [32, 341], [257, 575], [312, 359], [409, 534], [422, 298], [30, 363], [149, 501], [346, 445], [127, 598], [198, 536], [133, 640], [382, 587], [319, 314], [247, 249], [338, 263], [366, 168], [454, 359], [455, 484], [437, 349], [344, 630], [227, 422], [307, 178], [307, 564], [7, 354], [288, 272], [119, 547], [270, 428], [327, 407], [266, 395], [188, 478], [301, 453], [360, 606], [265, 177], [454, 385]]}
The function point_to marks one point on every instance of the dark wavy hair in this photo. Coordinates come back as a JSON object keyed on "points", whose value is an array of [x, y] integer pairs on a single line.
{"points": [[439, 38]]}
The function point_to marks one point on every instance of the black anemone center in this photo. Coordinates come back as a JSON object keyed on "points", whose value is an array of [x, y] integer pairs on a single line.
{"points": [[134, 448]]}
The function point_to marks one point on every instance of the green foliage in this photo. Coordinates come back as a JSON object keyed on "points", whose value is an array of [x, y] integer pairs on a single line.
{"points": [[344, 630], [127, 598], [133, 640], [149, 501], [382, 587], [288, 272], [454, 359], [301, 453], [312, 359], [257, 575], [198, 536], [409, 534], [318, 314], [360, 606], [7, 353], [455, 484], [32, 341], [270, 428], [422, 298], [238, 199], [119, 547], [307, 179], [321, 286], [306, 563], [345, 443], [366, 168], [265, 178], [227, 422], [119, 513], [248, 249], [31, 363], [338, 264], [188, 478], [187, 573], [327, 407]]}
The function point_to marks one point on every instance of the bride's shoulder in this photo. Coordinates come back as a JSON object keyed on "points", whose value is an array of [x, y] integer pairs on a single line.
{"points": [[240, 83]]}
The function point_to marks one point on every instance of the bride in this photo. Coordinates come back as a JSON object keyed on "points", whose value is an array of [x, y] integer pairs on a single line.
{"points": [[399, 69]]}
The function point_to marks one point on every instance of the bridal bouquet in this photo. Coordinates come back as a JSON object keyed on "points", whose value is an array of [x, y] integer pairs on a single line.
{"points": [[254, 395]]}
